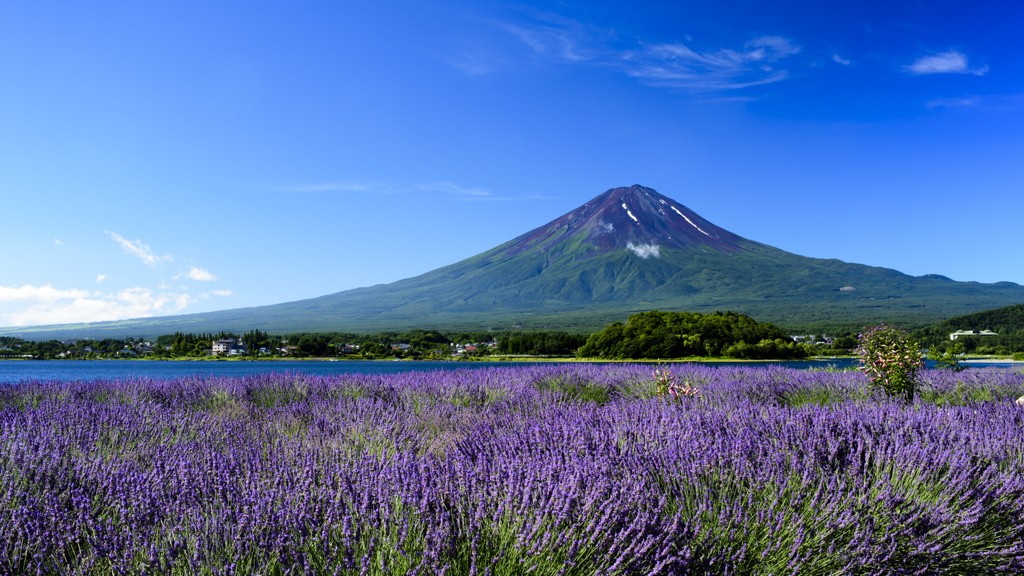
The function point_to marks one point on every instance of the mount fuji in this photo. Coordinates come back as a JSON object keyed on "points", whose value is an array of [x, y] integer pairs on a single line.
{"points": [[625, 251]]}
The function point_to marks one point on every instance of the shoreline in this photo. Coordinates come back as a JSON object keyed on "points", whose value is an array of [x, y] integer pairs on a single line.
{"points": [[824, 360]]}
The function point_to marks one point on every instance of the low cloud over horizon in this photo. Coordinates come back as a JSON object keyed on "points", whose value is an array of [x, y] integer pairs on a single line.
{"points": [[49, 305]]}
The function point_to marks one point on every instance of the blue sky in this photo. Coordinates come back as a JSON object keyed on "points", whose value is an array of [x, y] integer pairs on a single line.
{"points": [[188, 157]]}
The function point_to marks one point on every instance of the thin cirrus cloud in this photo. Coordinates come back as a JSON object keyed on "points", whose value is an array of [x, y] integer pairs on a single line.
{"points": [[840, 60], [455, 189], [676, 65], [951, 62], [471, 194], [993, 102], [560, 38], [961, 102], [222, 292], [49, 305], [670, 65], [197, 274], [335, 187], [139, 250]]}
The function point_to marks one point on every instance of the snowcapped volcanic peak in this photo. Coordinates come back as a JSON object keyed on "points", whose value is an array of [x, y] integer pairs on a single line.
{"points": [[626, 219]]}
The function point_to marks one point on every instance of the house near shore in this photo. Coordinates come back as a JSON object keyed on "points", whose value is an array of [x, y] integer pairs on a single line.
{"points": [[960, 333], [228, 346]]}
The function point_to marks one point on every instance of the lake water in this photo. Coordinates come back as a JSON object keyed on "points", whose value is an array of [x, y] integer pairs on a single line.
{"points": [[20, 370]]}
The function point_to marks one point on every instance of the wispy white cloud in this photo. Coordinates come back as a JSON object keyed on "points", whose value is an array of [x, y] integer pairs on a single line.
{"points": [[672, 64], [990, 102], [771, 48], [139, 250], [963, 101], [677, 65], [57, 241], [644, 251], [450, 188], [951, 62], [52, 306], [840, 60], [101, 278], [222, 292], [562, 42], [197, 274], [474, 194], [340, 186], [476, 61]]}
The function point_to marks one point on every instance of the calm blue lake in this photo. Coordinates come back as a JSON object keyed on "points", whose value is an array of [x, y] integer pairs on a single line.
{"points": [[17, 371]]}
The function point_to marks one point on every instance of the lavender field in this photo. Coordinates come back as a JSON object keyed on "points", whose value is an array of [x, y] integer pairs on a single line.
{"points": [[574, 469]]}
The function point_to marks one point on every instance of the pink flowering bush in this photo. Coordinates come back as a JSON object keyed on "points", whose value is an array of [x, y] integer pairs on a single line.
{"points": [[891, 359], [669, 391]]}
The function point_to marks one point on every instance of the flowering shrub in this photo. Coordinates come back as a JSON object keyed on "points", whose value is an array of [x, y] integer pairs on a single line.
{"points": [[669, 390], [891, 359]]}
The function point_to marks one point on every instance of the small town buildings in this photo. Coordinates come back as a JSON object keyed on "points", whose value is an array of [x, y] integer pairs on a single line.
{"points": [[960, 333]]}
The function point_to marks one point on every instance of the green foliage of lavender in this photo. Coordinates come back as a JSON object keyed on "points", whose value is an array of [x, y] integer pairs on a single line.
{"points": [[576, 469]]}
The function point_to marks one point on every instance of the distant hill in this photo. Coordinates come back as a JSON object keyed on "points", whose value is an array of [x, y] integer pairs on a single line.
{"points": [[1002, 320], [1007, 322], [628, 250]]}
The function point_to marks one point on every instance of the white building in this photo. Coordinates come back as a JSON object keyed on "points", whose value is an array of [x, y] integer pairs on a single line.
{"points": [[228, 346], [960, 333]]}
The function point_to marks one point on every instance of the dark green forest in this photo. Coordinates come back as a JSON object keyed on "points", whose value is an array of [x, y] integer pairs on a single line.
{"points": [[653, 335], [1007, 321]]}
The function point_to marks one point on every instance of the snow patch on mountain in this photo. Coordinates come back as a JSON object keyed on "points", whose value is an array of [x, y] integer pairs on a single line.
{"points": [[625, 207], [690, 221], [644, 251]]}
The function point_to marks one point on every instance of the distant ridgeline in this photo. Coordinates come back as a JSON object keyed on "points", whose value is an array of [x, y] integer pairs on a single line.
{"points": [[653, 335], [1007, 322]]}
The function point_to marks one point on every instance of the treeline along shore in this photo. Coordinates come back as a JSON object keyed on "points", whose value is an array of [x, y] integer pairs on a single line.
{"points": [[647, 335], [650, 335]]}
